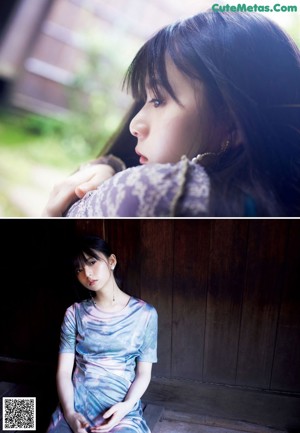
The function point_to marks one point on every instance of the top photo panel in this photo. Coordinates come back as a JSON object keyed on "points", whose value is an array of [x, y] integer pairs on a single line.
{"points": [[147, 108]]}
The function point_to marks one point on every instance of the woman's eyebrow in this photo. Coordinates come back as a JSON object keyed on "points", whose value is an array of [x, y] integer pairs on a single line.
{"points": [[158, 85]]}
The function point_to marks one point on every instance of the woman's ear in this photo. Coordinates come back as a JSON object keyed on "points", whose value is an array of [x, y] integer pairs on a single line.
{"points": [[237, 138], [112, 260], [236, 135]]}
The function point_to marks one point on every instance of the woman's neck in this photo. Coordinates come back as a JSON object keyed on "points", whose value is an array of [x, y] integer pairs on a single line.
{"points": [[111, 297]]}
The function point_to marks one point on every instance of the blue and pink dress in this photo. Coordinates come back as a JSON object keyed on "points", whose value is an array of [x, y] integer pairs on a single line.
{"points": [[107, 347]]}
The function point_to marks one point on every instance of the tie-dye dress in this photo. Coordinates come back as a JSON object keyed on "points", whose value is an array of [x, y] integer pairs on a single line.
{"points": [[107, 347]]}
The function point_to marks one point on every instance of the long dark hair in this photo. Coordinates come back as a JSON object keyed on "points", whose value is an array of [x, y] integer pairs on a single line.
{"points": [[251, 71]]}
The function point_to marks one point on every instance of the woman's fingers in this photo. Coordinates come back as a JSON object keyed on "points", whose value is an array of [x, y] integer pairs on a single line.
{"points": [[78, 423], [65, 193], [113, 416], [98, 175]]}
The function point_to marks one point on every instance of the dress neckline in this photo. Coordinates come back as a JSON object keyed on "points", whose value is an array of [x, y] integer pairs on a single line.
{"points": [[110, 312]]}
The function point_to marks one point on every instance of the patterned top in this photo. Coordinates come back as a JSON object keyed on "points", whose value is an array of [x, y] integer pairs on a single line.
{"points": [[104, 339], [152, 190], [107, 347]]}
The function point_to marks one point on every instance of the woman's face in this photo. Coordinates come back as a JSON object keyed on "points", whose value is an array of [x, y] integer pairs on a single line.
{"points": [[95, 274], [167, 129]]}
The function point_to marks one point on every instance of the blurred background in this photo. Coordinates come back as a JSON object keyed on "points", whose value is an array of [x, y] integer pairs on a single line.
{"points": [[62, 64]]}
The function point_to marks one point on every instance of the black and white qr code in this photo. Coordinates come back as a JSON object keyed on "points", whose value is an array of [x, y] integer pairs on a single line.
{"points": [[19, 413]]}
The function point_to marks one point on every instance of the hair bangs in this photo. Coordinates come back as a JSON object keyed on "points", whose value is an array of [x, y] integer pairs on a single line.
{"points": [[148, 69], [82, 257]]}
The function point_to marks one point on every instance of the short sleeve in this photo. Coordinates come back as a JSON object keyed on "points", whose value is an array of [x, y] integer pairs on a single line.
{"points": [[153, 190], [68, 332], [148, 350]]}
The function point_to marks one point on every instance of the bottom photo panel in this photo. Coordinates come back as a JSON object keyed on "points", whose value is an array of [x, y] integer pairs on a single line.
{"points": [[150, 325]]}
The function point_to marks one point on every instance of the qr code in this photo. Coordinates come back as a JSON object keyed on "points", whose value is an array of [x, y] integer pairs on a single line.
{"points": [[19, 413]]}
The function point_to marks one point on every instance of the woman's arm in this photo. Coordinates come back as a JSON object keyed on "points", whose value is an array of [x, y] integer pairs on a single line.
{"points": [[140, 384], [74, 187], [138, 387], [65, 392], [151, 190]]}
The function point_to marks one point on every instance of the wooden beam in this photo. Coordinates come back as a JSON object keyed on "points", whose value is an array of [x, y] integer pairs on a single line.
{"points": [[19, 35]]}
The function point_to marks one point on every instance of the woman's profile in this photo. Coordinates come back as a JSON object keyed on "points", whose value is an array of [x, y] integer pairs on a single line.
{"points": [[218, 126], [107, 347]]}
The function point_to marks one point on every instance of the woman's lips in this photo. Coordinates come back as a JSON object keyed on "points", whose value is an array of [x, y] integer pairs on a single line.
{"points": [[143, 159]]}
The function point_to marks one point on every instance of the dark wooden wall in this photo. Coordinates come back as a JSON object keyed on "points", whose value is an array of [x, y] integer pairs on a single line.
{"points": [[227, 293]]}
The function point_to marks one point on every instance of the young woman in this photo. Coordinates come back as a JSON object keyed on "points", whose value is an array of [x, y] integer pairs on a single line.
{"points": [[108, 344], [218, 133]]}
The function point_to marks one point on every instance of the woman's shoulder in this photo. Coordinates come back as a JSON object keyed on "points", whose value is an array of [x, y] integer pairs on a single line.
{"points": [[160, 190], [141, 303], [143, 308], [78, 307]]}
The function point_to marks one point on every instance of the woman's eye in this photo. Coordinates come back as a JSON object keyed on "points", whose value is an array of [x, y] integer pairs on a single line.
{"points": [[77, 271], [92, 262], [156, 102]]}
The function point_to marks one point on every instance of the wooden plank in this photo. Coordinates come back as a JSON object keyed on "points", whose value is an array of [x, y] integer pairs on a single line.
{"points": [[87, 226], [123, 236], [189, 300], [286, 370], [281, 411], [261, 302], [216, 423], [224, 300], [156, 251]]}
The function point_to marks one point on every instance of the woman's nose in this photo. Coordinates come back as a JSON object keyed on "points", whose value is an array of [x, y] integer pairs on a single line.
{"points": [[88, 271], [138, 127]]}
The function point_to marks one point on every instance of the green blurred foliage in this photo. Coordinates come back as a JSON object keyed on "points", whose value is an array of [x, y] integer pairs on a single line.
{"points": [[23, 151], [37, 124], [29, 141], [96, 101]]}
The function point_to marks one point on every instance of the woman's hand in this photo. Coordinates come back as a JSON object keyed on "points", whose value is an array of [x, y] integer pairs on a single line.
{"points": [[77, 422], [118, 411], [113, 416], [65, 193]]}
